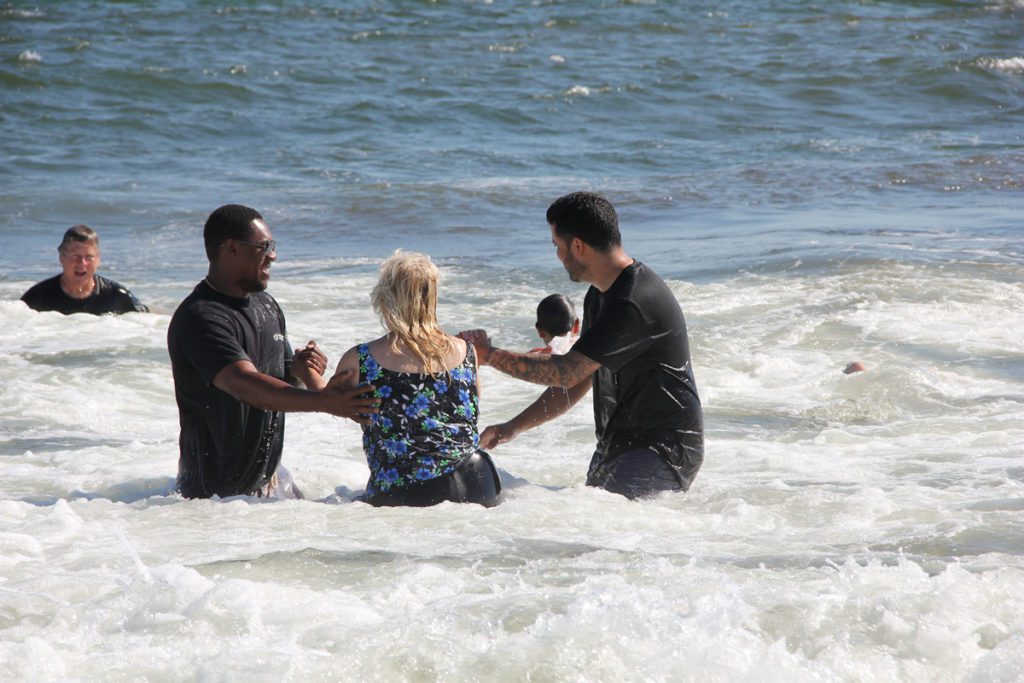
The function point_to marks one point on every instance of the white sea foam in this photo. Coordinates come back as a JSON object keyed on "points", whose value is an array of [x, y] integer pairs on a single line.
{"points": [[861, 527], [1004, 4], [1012, 65], [22, 13], [30, 57], [856, 527]]}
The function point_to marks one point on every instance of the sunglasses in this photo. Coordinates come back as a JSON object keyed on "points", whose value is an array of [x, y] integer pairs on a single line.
{"points": [[264, 247]]}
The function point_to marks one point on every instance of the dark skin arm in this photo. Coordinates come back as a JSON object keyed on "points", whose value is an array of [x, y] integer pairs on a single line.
{"points": [[244, 382]]}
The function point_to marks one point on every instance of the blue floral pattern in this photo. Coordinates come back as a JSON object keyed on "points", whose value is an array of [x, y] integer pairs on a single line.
{"points": [[426, 425]]}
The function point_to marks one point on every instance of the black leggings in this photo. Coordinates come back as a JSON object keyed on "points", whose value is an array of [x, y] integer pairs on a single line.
{"points": [[474, 481]]}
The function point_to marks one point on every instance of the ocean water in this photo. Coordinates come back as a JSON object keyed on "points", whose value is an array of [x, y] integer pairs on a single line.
{"points": [[819, 182]]}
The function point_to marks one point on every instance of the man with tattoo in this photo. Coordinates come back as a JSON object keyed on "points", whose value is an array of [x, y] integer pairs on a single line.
{"points": [[633, 351]]}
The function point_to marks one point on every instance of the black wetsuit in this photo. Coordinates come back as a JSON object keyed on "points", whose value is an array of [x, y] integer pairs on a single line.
{"points": [[475, 480], [226, 447], [645, 396], [107, 297], [422, 445]]}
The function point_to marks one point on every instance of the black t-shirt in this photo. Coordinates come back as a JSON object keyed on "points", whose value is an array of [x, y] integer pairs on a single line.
{"points": [[226, 447], [107, 297], [644, 392]]}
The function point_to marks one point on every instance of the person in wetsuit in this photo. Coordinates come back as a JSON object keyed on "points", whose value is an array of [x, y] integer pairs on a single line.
{"points": [[421, 447], [633, 352], [234, 372], [78, 289]]}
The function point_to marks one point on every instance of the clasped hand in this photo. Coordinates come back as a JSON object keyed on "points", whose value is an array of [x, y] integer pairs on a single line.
{"points": [[309, 365], [480, 341]]}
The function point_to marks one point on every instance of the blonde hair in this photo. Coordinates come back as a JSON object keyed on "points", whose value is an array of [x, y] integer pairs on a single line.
{"points": [[405, 299]]}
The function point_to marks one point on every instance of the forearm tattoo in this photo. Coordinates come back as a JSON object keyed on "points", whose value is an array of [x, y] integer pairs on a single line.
{"points": [[548, 370]]}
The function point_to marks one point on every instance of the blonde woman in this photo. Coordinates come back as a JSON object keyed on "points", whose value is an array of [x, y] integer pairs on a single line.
{"points": [[422, 447]]}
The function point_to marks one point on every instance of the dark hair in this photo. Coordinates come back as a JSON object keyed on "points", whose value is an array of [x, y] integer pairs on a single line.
{"points": [[556, 315], [588, 216], [229, 222], [79, 233]]}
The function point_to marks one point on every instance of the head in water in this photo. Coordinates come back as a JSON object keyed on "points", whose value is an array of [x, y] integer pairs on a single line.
{"points": [[79, 254], [405, 299], [556, 316]]}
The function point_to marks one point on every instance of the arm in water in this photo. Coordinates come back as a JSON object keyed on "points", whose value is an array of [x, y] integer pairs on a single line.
{"points": [[242, 380], [553, 402]]}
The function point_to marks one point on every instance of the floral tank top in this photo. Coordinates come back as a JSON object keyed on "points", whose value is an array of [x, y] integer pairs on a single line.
{"points": [[426, 425]]}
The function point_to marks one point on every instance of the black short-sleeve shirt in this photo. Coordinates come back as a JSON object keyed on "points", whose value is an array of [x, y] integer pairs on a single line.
{"points": [[226, 447], [107, 297], [644, 393]]}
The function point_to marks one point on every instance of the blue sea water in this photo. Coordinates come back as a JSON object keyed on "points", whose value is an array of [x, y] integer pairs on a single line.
{"points": [[818, 181], [366, 125]]}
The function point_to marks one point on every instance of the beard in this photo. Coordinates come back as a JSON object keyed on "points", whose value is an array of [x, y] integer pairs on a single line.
{"points": [[574, 268], [253, 284]]}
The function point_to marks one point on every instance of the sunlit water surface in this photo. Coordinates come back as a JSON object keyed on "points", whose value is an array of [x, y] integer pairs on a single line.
{"points": [[818, 182]]}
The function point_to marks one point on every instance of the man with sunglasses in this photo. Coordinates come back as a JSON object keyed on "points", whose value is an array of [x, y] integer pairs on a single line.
{"points": [[235, 374]]}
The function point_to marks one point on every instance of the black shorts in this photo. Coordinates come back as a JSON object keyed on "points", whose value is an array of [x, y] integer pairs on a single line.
{"points": [[637, 473], [474, 481]]}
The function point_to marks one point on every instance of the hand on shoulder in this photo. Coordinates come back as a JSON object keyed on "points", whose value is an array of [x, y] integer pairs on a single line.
{"points": [[347, 398], [347, 372]]}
